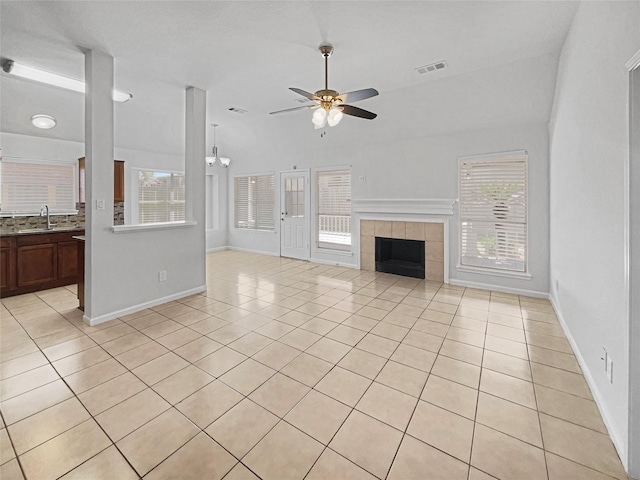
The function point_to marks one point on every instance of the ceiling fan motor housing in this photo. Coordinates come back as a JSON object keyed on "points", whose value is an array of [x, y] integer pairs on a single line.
{"points": [[327, 98]]}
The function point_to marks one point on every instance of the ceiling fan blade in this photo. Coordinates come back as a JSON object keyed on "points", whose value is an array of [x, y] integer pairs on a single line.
{"points": [[357, 112], [357, 95], [308, 95], [305, 107]]}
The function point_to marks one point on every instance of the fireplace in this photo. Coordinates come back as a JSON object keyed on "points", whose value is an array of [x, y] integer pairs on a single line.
{"points": [[400, 256], [431, 233]]}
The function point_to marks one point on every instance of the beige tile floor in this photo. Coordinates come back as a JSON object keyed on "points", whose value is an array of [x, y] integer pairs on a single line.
{"points": [[289, 370]]}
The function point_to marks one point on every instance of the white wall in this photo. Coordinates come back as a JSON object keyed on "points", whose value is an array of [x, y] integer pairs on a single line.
{"points": [[411, 151], [589, 148], [217, 237], [39, 148]]}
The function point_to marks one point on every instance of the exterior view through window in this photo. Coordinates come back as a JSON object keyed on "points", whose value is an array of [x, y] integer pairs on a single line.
{"points": [[160, 197], [254, 199], [493, 211], [334, 209]]}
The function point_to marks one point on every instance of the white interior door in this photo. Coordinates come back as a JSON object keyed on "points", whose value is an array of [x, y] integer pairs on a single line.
{"points": [[295, 210]]}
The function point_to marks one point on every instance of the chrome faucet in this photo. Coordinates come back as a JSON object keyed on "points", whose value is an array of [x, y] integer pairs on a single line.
{"points": [[44, 210]]}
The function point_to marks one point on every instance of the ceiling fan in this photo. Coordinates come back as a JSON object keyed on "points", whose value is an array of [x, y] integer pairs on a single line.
{"points": [[330, 105]]}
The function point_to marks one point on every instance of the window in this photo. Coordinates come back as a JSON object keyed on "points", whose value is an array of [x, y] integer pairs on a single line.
{"points": [[26, 185], [254, 202], [493, 211], [160, 197], [334, 209]]}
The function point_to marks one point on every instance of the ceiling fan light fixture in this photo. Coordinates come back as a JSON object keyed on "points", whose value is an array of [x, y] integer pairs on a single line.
{"points": [[319, 117], [334, 117]]}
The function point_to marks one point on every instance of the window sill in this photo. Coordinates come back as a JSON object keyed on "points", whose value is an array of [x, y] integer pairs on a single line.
{"points": [[334, 251], [495, 273], [254, 230], [151, 226]]}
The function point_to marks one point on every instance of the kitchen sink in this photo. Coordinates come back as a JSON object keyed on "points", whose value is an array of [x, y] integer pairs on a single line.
{"points": [[52, 230]]}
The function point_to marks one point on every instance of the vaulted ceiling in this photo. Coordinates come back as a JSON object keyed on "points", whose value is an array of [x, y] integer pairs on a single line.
{"points": [[501, 64]]}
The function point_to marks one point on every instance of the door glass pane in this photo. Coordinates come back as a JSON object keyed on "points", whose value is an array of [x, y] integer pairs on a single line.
{"points": [[288, 208], [300, 197]]}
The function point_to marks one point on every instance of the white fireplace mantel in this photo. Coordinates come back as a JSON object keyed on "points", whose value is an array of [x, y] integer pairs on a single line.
{"points": [[412, 206]]}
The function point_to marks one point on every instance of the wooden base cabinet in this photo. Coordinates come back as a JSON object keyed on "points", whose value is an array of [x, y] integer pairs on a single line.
{"points": [[33, 262]]}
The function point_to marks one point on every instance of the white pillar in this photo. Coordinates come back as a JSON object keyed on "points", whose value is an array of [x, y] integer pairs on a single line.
{"points": [[195, 152], [98, 131], [195, 175]]}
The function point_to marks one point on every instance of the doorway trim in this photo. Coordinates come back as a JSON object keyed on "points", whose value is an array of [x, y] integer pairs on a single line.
{"points": [[632, 265]]}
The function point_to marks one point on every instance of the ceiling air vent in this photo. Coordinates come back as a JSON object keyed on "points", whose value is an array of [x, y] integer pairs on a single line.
{"points": [[432, 67], [237, 110], [302, 100]]}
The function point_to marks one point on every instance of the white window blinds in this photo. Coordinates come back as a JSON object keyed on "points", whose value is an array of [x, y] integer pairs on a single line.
{"points": [[493, 211], [254, 202], [26, 185], [334, 208], [160, 197]]}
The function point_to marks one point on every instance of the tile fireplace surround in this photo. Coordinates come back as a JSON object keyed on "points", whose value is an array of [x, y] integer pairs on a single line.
{"points": [[431, 233]]}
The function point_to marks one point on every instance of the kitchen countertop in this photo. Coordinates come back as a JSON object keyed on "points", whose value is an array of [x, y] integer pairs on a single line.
{"points": [[40, 231]]}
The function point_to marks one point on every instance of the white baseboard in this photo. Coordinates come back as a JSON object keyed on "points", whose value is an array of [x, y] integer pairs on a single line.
{"points": [[249, 250], [498, 288], [330, 262], [217, 249], [141, 306], [618, 442]]}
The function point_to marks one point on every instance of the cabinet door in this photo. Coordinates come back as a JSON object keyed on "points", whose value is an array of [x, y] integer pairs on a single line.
{"points": [[67, 260], [37, 264], [7, 268], [118, 181]]}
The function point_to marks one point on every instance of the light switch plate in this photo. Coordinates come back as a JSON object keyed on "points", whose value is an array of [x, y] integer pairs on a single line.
{"points": [[99, 204]]}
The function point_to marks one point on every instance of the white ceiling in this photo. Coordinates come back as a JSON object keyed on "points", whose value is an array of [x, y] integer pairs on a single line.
{"points": [[247, 53]]}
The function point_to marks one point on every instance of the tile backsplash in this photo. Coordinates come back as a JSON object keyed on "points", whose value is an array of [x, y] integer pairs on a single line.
{"points": [[11, 225]]}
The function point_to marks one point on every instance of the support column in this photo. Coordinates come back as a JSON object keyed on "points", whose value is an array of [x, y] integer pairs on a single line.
{"points": [[195, 152], [98, 131]]}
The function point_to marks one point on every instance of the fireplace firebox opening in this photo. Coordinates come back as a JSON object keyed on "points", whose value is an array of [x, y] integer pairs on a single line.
{"points": [[401, 257]]}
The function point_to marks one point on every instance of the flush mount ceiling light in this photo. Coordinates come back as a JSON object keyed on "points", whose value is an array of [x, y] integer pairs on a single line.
{"points": [[43, 121], [215, 158], [330, 105], [54, 79]]}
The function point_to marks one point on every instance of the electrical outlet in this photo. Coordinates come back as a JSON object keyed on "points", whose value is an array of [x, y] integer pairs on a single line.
{"points": [[162, 275], [609, 369], [362, 178]]}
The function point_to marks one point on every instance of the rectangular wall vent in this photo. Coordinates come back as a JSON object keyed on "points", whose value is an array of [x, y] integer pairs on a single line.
{"points": [[432, 67], [236, 110]]}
